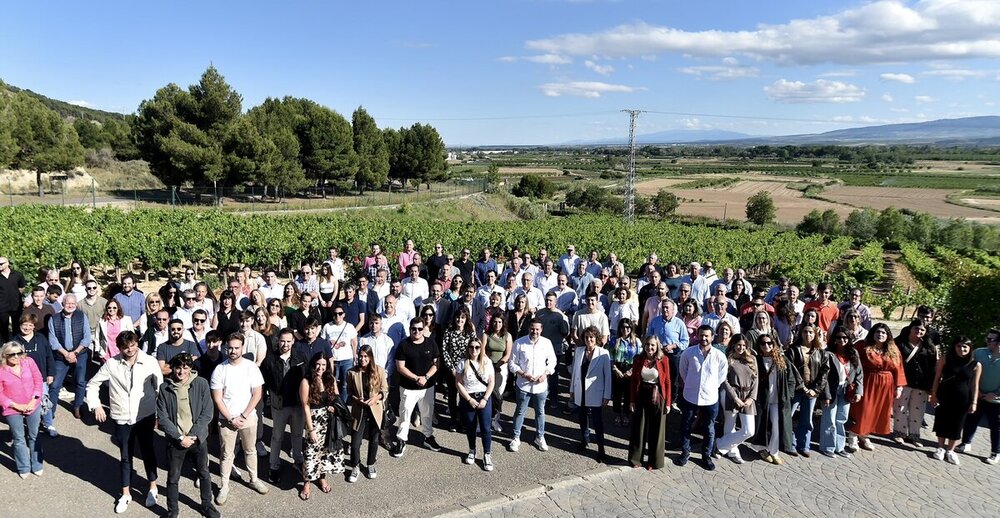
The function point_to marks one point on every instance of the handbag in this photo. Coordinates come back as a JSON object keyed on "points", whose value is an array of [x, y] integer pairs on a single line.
{"points": [[339, 426], [493, 395]]}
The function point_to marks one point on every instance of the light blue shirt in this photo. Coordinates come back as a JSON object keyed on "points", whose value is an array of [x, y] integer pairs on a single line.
{"points": [[672, 332], [57, 344], [133, 305]]}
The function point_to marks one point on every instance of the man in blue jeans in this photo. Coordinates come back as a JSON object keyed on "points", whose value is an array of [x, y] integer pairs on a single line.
{"points": [[989, 398], [702, 370], [532, 361], [69, 336]]}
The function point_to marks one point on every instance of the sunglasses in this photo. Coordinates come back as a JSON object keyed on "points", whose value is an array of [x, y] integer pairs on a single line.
{"points": [[338, 313], [199, 321], [475, 347], [91, 288], [767, 343], [416, 328], [17, 354], [189, 298]]}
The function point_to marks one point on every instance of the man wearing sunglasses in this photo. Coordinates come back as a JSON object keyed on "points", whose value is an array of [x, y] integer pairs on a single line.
{"points": [[133, 379], [185, 410], [176, 344], [416, 363], [93, 305]]}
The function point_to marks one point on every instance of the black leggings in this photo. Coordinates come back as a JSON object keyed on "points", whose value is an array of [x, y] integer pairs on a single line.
{"points": [[126, 435]]}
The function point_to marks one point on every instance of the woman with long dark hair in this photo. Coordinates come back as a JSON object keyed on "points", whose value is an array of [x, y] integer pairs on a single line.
{"points": [[884, 382], [624, 348], [650, 402], [954, 396], [368, 388], [453, 348], [845, 385], [227, 319], [807, 356], [498, 345], [317, 392], [919, 363], [741, 393], [775, 391]]}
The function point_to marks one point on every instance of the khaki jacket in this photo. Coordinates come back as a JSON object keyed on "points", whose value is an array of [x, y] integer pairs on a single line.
{"points": [[355, 391]]}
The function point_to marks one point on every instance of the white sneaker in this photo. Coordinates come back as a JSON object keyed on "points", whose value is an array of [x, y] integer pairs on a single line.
{"points": [[470, 458], [487, 462], [938, 454], [53, 432], [964, 448], [122, 504], [67, 396], [951, 458], [261, 450], [151, 498], [993, 459], [540, 444], [514, 444], [735, 456]]}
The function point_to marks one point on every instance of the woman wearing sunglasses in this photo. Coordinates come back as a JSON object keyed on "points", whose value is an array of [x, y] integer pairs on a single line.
{"points": [[474, 378], [21, 401]]}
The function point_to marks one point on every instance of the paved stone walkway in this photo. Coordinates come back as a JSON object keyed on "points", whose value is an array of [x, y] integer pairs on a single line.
{"points": [[889, 482]]}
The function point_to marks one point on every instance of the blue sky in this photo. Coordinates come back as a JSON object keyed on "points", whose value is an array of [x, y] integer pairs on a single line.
{"points": [[531, 71]]}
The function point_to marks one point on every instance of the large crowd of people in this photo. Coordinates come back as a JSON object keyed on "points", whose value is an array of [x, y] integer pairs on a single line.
{"points": [[341, 354]]}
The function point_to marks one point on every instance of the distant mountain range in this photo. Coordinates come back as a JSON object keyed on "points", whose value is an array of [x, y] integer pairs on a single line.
{"points": [[968, 131]]}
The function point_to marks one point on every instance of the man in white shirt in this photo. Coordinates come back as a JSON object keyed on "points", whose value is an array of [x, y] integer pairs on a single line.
{"points": [[719, 291], [393, 324], [547, 278], [569, 260], [702, 371], [236, 389], [699, 283], [566, 298], [344, 340], [720, 313], [336, 263], [133, 378], [594, 265], [382, 346], [381, 285], [532, 361], [536, 300], [514, 271], [185, 313], [415, 287], [271, 289], [404, 305], [491, 287], [201, 300]]}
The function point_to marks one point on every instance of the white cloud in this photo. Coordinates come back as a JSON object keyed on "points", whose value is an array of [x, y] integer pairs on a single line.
{"points": [[923, 98], [887, 98], [819, 91], [590, 89], [956, 74], [863, 119], [730, 69], [898, 78], [544, 59], [82, 104], [604, 70], [694, 123], [899, 110], [883, 31]]}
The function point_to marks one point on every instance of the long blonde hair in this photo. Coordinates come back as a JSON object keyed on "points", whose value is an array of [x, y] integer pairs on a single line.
{"points": [[747, 358]]}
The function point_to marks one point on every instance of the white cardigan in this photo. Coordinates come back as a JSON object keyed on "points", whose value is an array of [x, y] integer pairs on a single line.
{"points": [[597, 382], [102, 333]]}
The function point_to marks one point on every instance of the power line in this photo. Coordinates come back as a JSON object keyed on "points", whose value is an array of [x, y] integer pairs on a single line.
{"points": [[590, 114], [498, 118]]}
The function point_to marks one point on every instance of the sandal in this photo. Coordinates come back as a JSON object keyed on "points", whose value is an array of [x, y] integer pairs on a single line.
{"points": [[324, 486], [304, 493]]}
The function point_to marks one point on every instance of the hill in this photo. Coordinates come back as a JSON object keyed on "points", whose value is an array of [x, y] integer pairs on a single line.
{"points": [[967, 131], [64, 108], [667, 137]]}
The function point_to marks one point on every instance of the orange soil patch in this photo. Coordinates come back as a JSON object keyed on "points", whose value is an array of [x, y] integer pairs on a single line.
{"points": [[652, 187], [530, 170], [931, 201]]}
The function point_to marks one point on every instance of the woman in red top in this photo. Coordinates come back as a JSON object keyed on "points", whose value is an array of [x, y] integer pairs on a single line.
{"points": [[884, 381], [21, 401], [650, 391]]}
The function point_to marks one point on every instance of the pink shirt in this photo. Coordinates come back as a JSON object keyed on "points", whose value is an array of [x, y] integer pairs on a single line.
{"points": [[21, 389], [114, 329], [406, 259]]}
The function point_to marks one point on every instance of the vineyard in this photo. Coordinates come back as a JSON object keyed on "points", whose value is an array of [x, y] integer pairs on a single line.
{"points": [[154, 240]]}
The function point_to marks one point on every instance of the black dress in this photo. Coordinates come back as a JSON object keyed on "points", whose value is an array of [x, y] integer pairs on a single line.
{"points": [[954, 397]]}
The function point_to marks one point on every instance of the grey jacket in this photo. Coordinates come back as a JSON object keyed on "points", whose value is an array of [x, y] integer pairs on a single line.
{"points": [[741, 383], [202, 409]]}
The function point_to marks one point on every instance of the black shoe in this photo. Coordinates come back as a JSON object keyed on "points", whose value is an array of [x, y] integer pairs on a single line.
{"points": [[683, 459], [452, 428], [804, 453], [432, 444], [790, 453], [582, 446], [274, 476], [398, 449], [602, 457], [709, 463]]}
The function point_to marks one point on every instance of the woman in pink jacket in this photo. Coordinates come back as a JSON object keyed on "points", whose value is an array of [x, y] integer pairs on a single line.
{"points": [[21, 402]]}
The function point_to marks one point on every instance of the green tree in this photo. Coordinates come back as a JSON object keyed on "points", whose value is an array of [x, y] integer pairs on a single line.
{"points": [[118, 135], [760, 208], [8, 145], [394, 145], [373, 154], [423, 155], [891, 225], [923, 228], [90, 133], [860, 224], [534, 186], [664, 203], [957, 234], [45, 142], [327, 144], [277, 121]]}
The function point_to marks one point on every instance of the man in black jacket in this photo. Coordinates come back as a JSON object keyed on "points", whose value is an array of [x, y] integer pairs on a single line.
{"points": [[282, 376], [184, 408]]}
